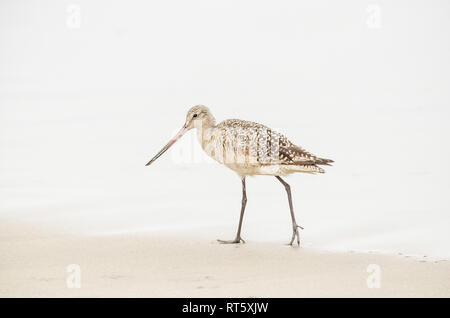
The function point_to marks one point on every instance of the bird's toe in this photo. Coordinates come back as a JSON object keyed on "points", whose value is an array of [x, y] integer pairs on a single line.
{"points": [[235, 241]]}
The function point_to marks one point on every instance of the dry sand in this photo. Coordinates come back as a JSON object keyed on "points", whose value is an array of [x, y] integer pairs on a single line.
{"points": [[33, 263]]}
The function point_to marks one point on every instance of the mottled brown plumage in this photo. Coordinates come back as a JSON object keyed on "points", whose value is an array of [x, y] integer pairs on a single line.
{"points": [[254, 149]]}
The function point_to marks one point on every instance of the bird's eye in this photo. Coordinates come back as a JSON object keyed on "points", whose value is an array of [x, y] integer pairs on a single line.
{"points": [[195, 115]]}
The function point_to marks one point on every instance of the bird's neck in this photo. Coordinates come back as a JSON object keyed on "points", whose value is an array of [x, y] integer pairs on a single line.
{"points": [[206, 123], [204, 130], [209, 122]]}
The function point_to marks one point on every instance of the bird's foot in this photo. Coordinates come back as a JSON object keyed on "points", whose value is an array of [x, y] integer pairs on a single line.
{"points": [[295, 234], [237, 240]]}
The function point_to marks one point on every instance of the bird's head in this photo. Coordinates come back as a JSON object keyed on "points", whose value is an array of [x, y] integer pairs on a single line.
{"points": [[199, 117]]}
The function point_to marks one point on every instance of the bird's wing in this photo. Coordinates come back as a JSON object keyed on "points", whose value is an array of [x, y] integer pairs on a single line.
{"points": [[267, 141], [290, 154]]}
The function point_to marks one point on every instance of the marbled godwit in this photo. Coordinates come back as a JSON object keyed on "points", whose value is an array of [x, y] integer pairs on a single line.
{"points": [[249, 149]]}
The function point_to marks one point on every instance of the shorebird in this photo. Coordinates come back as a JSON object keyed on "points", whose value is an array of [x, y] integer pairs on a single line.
{"points": [[249, 149]]}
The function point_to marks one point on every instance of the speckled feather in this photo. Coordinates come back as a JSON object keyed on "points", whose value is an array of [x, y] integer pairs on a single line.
{"points": [[250, 149]]}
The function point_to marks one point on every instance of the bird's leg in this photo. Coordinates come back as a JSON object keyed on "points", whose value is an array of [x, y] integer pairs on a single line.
{"points": [[238, 238], [295, 227]]}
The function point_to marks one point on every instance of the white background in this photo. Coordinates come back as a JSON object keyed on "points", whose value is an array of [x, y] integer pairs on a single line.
{"points": [[84, 106]]}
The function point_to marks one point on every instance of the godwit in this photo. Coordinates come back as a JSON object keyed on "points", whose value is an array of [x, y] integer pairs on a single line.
{"points": [[249, 149]]}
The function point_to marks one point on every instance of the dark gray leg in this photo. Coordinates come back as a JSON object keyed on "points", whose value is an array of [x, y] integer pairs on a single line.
{"points": [[238, 238], [295, 227]]}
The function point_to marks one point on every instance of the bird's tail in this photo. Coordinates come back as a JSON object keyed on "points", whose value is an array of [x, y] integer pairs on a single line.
{"points": [[323, 161]]}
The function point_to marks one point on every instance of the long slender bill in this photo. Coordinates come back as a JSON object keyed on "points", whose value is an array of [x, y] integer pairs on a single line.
{"points": [[182, 131]]}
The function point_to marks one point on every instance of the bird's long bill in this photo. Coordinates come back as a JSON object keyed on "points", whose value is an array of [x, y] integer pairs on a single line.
{"points": [[169, 144]]}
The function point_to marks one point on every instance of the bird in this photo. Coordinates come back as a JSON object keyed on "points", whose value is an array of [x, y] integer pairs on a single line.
{"points": [[249, 149]]}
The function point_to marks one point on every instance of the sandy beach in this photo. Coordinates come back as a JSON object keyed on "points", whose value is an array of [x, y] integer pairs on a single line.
{"points": [[34, 263]]}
